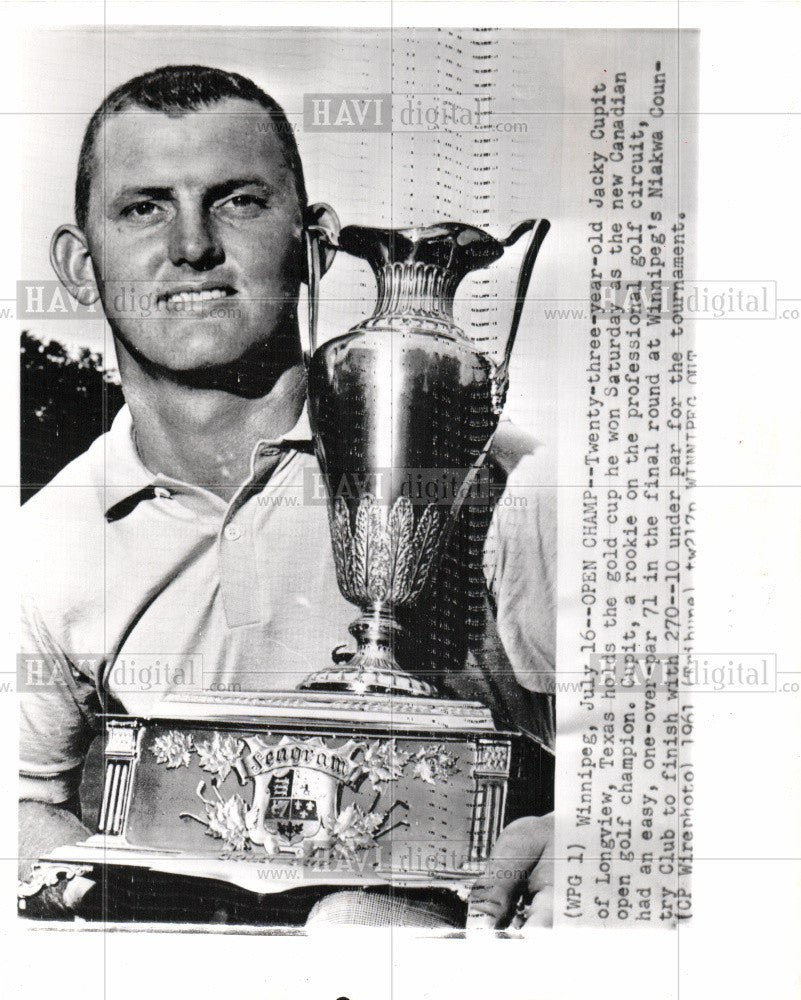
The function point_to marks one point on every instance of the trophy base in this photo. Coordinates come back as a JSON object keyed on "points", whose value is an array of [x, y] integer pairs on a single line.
{"points": [[356, 679], [372, 669], [289, 793], [321, 788]]}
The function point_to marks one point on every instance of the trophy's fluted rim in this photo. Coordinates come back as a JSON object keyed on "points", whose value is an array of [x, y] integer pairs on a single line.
{"points": [[454, 246]]}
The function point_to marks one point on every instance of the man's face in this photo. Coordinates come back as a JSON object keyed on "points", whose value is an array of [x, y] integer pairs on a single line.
{"points": [[194, 229]]}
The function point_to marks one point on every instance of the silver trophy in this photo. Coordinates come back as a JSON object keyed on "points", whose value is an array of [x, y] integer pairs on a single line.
{"points": [[402, 401]]}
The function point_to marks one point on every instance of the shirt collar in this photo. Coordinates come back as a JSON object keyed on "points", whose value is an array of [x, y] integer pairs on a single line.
{"points": [[127, 480], [299, 438]]}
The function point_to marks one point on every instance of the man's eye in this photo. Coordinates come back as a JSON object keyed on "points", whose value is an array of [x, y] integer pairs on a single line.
{"points": [[141, 210], [244, 204]]}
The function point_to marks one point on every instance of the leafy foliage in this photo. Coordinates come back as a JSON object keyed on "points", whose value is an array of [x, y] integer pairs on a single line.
{"points": [[226, 819], [219, 755], [383, 762], [352, 831], [66, 401], [433, 762], [173, 749]]}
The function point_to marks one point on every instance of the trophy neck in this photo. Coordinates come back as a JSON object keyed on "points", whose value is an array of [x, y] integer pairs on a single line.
{"points": [[415, 291], [417, 271]]}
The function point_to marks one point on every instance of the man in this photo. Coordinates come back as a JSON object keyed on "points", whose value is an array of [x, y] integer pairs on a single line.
{"points": [[182, 532]]}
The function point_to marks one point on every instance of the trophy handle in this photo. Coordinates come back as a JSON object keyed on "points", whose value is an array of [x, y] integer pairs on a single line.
{"points": [[321, 246], [539, 230]]}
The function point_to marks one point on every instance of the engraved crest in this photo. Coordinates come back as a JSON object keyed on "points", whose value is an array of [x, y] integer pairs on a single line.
{"points": [[296, 806], [297, 789]]}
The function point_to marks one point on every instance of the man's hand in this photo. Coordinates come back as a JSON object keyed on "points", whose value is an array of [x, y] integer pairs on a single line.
{"points": [[517, 888], [56, 892], [42, 828]]}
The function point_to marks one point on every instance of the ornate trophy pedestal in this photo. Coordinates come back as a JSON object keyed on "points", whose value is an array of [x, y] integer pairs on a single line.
{"points": [[293, 789]]}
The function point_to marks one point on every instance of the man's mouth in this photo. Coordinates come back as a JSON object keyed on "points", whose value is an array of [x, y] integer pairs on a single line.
{"points": [[187, 296]]}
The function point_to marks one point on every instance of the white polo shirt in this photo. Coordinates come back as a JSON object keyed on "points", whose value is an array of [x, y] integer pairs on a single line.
{"points": [[131, 574]]}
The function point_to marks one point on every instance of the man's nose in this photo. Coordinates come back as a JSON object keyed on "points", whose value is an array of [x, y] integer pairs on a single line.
{"points": [[193, 242]]}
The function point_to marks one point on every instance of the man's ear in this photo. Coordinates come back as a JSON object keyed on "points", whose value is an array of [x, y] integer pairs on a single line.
{"points": [[324, 219], [72, 262]]}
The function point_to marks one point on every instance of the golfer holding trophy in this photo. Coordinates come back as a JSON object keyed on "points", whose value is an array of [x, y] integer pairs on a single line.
{"points": [[371, 789]]}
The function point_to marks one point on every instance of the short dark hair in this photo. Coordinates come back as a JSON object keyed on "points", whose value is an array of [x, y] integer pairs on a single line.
{"points": [[177, 90]]}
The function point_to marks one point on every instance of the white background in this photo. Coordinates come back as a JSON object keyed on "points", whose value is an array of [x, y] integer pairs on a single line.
{"points": [[744, 939]]}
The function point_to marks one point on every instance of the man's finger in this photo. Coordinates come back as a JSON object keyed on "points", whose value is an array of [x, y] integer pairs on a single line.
{"points": [[542, 876], [517, 851], [540, 913], [76, 891]]}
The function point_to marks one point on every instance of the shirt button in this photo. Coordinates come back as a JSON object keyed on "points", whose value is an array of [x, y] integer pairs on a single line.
{"points": [[232, 532]]}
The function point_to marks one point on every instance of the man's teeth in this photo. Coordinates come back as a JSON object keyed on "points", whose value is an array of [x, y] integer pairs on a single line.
{"points": [[205, 295]]}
